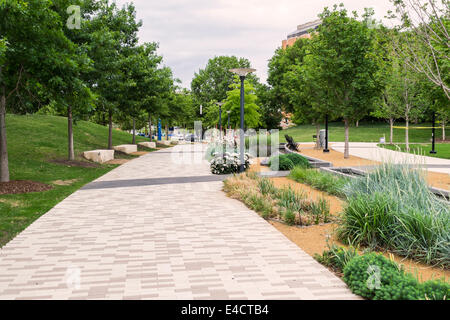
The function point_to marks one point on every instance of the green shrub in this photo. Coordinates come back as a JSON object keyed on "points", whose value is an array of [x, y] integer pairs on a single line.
{"points": [[366, 221], [298, 160], [337, 257], [289, 217], [266, 187], [320, 180], [290, 199], [393, 208], [281, 163], [258, 203], [436, 290], [373, 276], [320, 211]]}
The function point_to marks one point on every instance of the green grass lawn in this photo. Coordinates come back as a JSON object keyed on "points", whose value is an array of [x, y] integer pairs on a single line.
{"points": [[366, 132], [442, 149], [32, 142]]}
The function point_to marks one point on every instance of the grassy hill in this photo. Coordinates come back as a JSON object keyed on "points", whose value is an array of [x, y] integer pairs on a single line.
{"points": [[366, 132], [33, 143]]}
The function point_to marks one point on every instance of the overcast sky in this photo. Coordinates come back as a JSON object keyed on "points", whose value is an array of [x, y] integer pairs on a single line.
{"points": [[192, 31]]}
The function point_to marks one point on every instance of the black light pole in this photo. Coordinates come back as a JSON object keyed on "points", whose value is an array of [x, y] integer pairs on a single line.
{"points": [[220, 104], [326, 135], [242, 73], [242, 140], [433, 135], [220, 119]]}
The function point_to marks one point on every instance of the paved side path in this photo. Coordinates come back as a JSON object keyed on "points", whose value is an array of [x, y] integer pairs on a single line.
{"points": [[372, 152], [154, 229]]}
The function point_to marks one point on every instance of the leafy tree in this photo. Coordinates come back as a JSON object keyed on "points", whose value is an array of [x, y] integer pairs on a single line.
{"points": [[270, 113], [213, 82], [308, 96], [344, 64], [391, 100], [139, 70], [157, 94], [409, 94], [425, 26], [37, 50], [291, 90], [233, 104], [283, 70], [112, 31]]}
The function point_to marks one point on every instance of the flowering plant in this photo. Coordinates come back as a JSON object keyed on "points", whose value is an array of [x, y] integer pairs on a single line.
{"points": [[228, 163]]}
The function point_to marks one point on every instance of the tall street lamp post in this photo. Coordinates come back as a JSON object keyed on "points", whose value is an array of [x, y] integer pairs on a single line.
{"points": [[242, 73], [433, 135], [326, 135], [220, 104]]}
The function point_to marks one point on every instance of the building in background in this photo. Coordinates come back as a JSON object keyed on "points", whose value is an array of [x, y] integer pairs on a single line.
{"points": [[303, 31]]}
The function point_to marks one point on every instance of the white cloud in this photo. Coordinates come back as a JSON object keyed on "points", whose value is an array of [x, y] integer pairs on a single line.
{"points": [[192, 31]]}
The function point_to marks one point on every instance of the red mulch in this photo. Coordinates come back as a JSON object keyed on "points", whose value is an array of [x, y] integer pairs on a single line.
{"points": [[23, 186]]}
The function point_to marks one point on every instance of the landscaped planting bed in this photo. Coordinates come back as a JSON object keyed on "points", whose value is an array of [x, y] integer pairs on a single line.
{"points": [[393, 208], [284, 204], [320, 180], [390, 211], [373, 276], [286, 162]]}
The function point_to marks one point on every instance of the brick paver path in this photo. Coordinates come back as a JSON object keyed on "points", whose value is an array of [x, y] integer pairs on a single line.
{"points": [[157, 229]]}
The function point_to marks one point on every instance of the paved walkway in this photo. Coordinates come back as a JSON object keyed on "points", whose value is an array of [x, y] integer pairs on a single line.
{"points": [[372, 152], [155, 229]]}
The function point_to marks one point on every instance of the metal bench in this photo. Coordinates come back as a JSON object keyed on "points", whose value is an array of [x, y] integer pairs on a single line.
{"points": [[290, 143]]}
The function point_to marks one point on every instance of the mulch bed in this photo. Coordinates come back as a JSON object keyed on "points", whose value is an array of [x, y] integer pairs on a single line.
{"points": [[75, 163], [23, 186]]}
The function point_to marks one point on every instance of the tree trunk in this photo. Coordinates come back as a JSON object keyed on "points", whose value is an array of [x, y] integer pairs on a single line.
{"points": [[4, 165], [357, 123], [150, 128], [443, 129], [110, 146], [391, 126], [407, 134], [347, 146], [317, 135], [70, 133], [134, 131]]}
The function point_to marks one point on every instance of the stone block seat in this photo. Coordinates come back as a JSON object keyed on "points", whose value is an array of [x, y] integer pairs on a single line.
{"points": [[151, 145], [99, 156], [126, 148]]}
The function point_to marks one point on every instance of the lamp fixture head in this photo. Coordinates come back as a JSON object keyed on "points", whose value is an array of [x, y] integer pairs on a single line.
{"points": [[242, 72]]}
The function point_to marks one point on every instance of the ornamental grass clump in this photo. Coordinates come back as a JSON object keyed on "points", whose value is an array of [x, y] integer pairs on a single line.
{"points": [[267, 187], [320, 180], [285, 204], [393, 208]]}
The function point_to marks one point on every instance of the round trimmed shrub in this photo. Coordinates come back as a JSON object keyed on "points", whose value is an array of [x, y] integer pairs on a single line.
{"points": [[373, 276], [284, 163], [298, 160]]}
